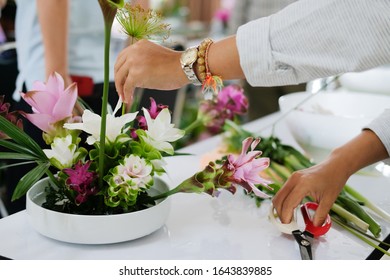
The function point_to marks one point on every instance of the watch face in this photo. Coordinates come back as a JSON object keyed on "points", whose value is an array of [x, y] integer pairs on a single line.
{"points": [[189, 56]]}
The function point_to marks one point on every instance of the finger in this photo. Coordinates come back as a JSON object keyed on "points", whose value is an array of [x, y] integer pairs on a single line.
{"points": [[283, 193], [289, 205], [120, 79], [120, 60], [289, 197], [322, 212], [128, 90]]}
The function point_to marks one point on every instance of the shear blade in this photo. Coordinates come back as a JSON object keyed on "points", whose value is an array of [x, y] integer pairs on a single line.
{"points": [[304, 245]]}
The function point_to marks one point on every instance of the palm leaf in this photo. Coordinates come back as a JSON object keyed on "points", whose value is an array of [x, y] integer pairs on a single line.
{"points": [[20, 137], [29, 179], [16, 164], [16, 156], [15, 147]]}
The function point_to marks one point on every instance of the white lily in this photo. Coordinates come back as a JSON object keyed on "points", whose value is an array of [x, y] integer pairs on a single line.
{"points": [[91, 125], [62, 153], [160, 131]]}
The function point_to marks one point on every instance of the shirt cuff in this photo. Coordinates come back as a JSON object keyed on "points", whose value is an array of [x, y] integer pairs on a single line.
{"points": [[381, 127]]}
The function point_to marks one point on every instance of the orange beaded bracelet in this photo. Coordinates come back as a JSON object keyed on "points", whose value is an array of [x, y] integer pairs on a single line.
{"points": [[210, 84]]}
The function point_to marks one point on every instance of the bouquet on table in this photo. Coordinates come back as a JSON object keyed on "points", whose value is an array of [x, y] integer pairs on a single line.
{"points": [[105, 164]]}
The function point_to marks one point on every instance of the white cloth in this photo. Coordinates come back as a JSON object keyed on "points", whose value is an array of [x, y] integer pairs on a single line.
{"points": [[85, 47], [381, 127], [310, 39]]}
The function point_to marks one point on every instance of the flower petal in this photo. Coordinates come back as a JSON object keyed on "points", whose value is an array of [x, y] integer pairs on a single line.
{"points": [[40, 101], [43, 121], [66, 102]]}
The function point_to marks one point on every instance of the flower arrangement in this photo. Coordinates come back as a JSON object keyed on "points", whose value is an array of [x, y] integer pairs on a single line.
{"points": [[106, 165]]}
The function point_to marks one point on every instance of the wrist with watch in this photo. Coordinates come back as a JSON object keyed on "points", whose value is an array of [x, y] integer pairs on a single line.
{"points": [[187, 60]]}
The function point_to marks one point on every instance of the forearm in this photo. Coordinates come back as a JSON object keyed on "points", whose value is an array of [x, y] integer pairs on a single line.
{"points": [[53, 18], [363, 150], [223, 59]]}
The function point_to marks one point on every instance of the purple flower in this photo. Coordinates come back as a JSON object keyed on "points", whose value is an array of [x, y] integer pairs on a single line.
{"points": [[153, 110], [81, 181], [10, 116], [247, 167], [231, 101], [222, 15]]}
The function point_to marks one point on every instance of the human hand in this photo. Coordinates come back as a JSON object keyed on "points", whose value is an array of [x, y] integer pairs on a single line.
{"points": [[147, 65], [322, 182], [3, 3]]}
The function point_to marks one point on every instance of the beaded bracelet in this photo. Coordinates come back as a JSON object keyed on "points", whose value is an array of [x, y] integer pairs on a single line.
{"points": [[211, 84]]}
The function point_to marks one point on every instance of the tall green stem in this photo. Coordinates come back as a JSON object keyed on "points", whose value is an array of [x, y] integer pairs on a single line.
{"points": [[193, 125], [107, 36]]}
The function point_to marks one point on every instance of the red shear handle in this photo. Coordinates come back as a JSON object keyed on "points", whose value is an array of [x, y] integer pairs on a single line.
{"points": [[316, 231]]}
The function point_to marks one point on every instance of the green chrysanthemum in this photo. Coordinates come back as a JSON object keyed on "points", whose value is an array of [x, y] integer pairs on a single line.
{"points": [[126, 180]]}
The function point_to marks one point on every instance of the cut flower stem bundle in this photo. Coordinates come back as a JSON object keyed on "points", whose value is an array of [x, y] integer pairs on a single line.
{"points": [[349, 210]]}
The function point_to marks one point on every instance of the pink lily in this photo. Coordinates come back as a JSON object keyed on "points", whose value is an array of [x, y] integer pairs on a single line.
{"points": [[247, 167], [50, 103]]}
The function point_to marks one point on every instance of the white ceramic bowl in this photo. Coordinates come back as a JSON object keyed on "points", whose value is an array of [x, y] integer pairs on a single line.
{"points": [[376, 80], [98, 229], [329, 119]]}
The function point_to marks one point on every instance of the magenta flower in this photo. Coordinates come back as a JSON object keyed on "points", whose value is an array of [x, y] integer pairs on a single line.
{"points": [[247, 167], [50, 103], [154, 110], [81, 181], [233, 98], [231, 101], [223, 15], [10, 116]]}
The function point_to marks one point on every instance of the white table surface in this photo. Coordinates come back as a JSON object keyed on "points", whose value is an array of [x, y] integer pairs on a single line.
{"points": [[201, 227]]}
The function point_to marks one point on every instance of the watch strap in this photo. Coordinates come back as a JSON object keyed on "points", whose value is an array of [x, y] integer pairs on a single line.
{"points": [[190, 73]]}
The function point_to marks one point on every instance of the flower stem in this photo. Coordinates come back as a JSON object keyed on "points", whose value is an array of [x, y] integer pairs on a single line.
{"points": [[166, 194], [380, 212], [107, 36], [192, 126], [53, 178], [350, 217], [360, 236]]}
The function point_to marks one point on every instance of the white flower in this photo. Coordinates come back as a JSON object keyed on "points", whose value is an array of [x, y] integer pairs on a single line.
{"points": [[135, 171], [62, 153], [160, 131], [91, 125]]}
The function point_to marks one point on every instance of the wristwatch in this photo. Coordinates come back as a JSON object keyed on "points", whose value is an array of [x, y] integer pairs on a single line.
{"points": [[187, 61]]}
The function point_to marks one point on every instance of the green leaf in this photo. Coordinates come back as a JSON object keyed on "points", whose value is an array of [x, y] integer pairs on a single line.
{"points": [[20, 137], [16, 164], [15, 147], [7, 155], [29, 179]]}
